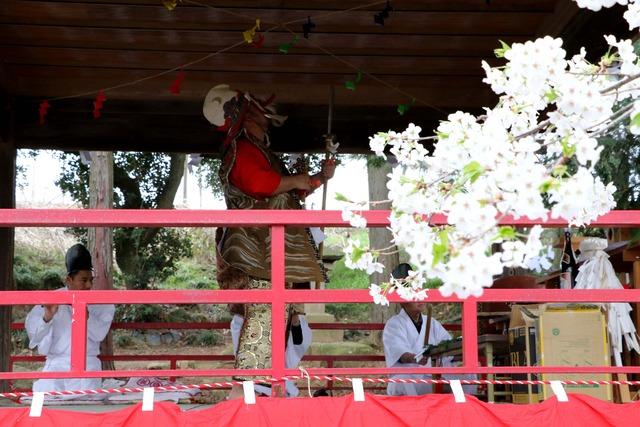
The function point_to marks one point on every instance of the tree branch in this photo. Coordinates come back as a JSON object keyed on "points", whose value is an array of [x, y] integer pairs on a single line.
{"points": [[129, 187], [620, 83], [166, 196]]}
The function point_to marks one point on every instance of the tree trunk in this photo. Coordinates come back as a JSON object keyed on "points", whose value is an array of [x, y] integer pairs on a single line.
{"points": [[381, 238], [128, 261], [7, 200], [101, 238]]}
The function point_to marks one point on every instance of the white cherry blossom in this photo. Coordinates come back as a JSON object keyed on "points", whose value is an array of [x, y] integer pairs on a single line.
{"points": [[533, 155]]}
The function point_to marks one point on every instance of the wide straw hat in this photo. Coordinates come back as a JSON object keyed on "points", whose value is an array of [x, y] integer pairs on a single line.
{"points": [[213, 107]]}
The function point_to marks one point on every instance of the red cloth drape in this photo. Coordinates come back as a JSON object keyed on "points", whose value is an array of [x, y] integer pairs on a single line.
{"points": [[437, 410]]}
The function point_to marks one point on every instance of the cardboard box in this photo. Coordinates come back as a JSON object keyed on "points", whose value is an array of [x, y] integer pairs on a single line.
{"points": [[558, 335], [523, 352], [574, 336]]}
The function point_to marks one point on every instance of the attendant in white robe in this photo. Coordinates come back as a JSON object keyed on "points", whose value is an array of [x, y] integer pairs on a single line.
{"points": [[403, 338], [49, 328], [299, 341]]}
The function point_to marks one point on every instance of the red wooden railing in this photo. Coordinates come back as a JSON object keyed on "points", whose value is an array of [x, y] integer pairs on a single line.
{"points": [[328, 360], [278, 296]]}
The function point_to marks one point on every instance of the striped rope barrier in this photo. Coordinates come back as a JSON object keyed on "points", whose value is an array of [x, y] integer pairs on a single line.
{"points": [[226, 384]]}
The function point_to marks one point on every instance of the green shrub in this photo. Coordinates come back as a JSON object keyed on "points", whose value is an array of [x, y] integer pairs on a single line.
{"points": [[190, 274], [20, 339], [205, 338], [124, 341], [181, 314], [51, 279], [140, 313], [341, 277], [37, 270]]}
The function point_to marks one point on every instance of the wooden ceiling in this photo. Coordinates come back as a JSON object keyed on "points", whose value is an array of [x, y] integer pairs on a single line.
{"points": [[429, 50]]}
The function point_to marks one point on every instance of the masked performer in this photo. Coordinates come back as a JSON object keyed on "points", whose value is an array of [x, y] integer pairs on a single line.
{"points": [[253, 177]]}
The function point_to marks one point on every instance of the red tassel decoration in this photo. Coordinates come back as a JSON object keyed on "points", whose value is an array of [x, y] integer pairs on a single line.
{"points": [[44, 106], [175, 86], [97, 104], [258, 41]]}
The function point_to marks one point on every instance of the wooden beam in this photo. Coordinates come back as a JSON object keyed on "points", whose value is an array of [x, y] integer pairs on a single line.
{"points": [[556, 23], [199, 18], [259, 61], [7, 200], [179, 127], [405, 5], [294, 88], [210, 41], [587, 29]]}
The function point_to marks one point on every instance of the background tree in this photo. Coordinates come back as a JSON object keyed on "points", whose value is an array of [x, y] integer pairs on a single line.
{"points": [[141, 181], [620, 163], [380, 238]]}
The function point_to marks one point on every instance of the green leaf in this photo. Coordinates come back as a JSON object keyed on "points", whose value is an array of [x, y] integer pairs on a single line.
{"points": [[559, 170], [357, 254], [359, 77], [507, 232], [439, 252], [551, 95], [444, 237], [635, 120], [548, 185], [568, 150], [472, 171], [609, 58], [434, 283], [341, 197], [441, 249], [442, 135], [500, 52]]}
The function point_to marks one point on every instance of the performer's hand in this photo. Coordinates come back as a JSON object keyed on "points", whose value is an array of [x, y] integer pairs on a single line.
{"points": [[302, 182], [328, 169], [408, 358], [295, 320], [49, 312]]}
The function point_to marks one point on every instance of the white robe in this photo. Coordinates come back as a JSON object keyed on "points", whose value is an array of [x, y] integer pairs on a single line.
{"points": [[53, 340], [293, 353], [400, 336]]}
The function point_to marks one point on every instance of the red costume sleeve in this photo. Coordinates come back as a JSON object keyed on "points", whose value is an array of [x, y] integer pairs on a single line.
{"points": [[252, 173]]}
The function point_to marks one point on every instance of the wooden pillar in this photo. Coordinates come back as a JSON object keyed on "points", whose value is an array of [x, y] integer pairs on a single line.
{"points": [[7, 200], [101, 238]]}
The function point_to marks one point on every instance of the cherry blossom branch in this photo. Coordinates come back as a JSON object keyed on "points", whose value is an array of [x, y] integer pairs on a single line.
{"points": [[620, 83]]}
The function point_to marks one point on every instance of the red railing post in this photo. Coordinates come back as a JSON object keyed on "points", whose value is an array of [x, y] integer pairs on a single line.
{"points": [[277, 306], [173, 364], [79, 335], [470, 334]]}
